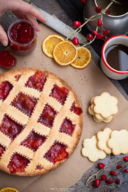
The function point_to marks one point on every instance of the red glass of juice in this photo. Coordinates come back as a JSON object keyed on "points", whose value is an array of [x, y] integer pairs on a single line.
{"points": [[22, 36]]}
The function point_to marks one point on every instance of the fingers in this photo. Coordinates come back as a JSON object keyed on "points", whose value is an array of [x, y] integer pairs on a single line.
{"points": [[3, 36], [34, 22], [33, 11], [25, 8]]}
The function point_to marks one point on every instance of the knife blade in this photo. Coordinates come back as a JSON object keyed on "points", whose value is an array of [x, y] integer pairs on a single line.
{"points": [[60, 27]]}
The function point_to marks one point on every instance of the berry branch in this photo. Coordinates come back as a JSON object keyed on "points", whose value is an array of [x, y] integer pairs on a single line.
{"points": [[96, 34], [99, 176]]}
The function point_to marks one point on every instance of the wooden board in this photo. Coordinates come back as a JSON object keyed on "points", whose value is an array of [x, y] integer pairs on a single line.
{"points": [[86, 83]]}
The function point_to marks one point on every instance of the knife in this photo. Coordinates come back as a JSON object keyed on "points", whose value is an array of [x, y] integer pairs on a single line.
{"points": [[59, 26]]}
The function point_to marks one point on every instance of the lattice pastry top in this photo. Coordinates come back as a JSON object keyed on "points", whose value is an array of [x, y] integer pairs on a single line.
{"points": [[40, 121]]}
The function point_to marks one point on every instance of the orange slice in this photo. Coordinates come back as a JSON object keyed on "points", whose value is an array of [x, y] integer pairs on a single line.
{"points": [[8, 189], [83, 58], [49, 44], [65, 53]]}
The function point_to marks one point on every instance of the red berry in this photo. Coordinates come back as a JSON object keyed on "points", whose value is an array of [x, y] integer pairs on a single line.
{"points": [[95, 33], [99, 22], [119, 166], [101, 165], [103, 177], [83, 1], [98, 9], [117, 181], [106, 32], [113, 173], [125, 158], [97, 183], [89, 37], [107, 12], [7, 60], [77, 23], [100, 36], [126, 170], [109, 181], [75, 41]]}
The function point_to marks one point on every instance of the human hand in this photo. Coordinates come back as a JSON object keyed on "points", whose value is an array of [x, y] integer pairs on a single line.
{"points": [[22, 10]]}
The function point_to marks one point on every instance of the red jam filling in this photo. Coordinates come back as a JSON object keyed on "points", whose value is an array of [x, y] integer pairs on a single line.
{"points": [[18, 163], [37, 81], [5, 88], [22, 32], [67, 127], [47, 117], [2, 149], [57, 153], [17, 77], [7, 60], [76, 110], [10, 128], [59, 93], [33, 141], [25, 103], [39, 167]]}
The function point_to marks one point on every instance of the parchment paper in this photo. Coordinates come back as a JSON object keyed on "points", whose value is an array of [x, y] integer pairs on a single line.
{"points": [[86, 83]]}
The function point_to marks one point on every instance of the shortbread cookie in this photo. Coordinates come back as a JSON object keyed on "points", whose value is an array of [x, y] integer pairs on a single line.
{"points": [[92, 100], [102, 139], [109, 119], [98, 117], [90, 110], [91, 151], [98, 120], [118, 142], [105, 105]]}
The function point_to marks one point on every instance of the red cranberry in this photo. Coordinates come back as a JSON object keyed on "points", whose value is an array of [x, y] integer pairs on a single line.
{"points": [[101, 165], [113, 173], [103, 177], [75, 41], [98, 9], [7, 60], [126, 170], [125, 158], [109, 181], [95, 33], [77, 23], [118, 181], [99, 22], [83, 1], [107, 12], [119, 166], [106, 32], [100, 36], [97, 183], [89, 37]]}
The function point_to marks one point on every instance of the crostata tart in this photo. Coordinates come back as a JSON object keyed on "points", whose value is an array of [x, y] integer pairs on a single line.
{"points": [[40, 121]]}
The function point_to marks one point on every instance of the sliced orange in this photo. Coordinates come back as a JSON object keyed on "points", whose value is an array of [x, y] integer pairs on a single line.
{"points": [[8, 189], [83, 58], [49, 44], [65, 53]]}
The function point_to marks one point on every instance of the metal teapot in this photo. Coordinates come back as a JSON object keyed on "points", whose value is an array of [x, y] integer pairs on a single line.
{"points": [[117, 24]]}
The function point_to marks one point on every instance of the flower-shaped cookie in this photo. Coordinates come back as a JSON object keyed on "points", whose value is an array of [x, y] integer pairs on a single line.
{"points": [[118, 142], [91, 151], [105, 105], [102, 139]]}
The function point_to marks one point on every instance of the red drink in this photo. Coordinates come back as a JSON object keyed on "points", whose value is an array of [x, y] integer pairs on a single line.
{"points": [[22, 36]]}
